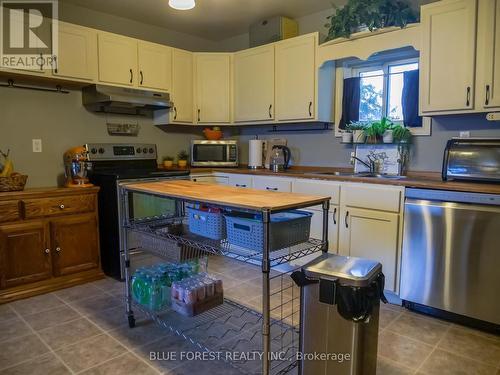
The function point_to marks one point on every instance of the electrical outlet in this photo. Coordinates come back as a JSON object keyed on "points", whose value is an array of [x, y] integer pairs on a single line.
{"points": [[494, 116], [465, 134], [37, 145]]}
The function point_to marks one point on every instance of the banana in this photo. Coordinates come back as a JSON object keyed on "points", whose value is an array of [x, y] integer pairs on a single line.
{"points": [[7, 169]]}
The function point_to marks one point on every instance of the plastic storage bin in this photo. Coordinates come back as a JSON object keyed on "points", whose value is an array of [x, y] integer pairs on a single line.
{"points": [[206, 224], [286, 229]]}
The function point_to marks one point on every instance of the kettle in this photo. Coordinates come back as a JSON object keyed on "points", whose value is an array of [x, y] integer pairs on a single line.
{"points": [[280, 158]]}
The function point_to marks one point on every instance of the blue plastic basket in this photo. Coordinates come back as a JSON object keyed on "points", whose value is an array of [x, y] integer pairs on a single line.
{"points": [[286, 229], [206, 224]]}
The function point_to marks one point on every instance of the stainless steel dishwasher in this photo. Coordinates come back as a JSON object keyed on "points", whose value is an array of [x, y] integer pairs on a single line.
{"points": [[451, 254]]}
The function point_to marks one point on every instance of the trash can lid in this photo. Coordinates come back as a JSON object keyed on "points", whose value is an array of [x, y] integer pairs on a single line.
{"points": [[348, 270]]}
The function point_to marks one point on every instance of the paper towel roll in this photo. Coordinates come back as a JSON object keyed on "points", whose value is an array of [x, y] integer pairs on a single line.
{"points": [[255, 153]]}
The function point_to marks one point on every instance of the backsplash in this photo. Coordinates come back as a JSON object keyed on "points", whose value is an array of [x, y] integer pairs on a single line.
{"points": [[324, 149]]}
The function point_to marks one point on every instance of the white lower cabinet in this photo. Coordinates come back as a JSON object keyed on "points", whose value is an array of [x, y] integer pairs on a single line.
{"points": [[333, 230], [212, 179], [283, 185], [239, 180]]}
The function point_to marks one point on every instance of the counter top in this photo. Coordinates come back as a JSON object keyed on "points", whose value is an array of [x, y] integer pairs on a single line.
{"points": [[227, 196], [45, 192], [425, 180]]}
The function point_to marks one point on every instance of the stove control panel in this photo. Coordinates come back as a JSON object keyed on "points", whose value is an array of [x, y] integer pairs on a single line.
{"points": [[121, 151]]}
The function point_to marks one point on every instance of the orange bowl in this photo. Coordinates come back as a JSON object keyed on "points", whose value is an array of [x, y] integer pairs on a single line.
{"points": [[212, 135]]}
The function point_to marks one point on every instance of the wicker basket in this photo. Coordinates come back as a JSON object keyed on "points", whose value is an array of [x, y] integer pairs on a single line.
{"points": [[13, 183]]}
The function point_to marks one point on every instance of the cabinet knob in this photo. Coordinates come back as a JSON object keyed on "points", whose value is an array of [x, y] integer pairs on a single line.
{"points": [[58, 249], [47, 251], [62, 206]]}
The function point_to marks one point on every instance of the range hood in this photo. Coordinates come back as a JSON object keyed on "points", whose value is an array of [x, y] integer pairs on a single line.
{"points": [[122, 100]]}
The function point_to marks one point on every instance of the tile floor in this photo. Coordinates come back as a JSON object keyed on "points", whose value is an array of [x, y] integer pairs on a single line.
{"points": [[83, 330]]}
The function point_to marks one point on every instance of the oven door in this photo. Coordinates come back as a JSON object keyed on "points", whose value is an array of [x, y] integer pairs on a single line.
{"points": [[214, 154], [142, 206]]}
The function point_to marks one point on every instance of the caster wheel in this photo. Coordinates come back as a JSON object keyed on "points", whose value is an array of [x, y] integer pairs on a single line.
{"points": [[131, 321]]}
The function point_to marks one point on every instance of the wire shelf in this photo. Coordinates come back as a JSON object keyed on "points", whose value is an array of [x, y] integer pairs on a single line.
{"points": [[229, 328], [156, 239]]}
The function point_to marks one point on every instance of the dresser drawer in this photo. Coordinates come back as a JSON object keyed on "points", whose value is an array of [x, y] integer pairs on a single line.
{"points": [[9, 211], [34, 208]]}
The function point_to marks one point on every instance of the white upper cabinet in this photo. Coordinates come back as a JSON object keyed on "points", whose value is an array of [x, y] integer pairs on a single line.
{"points": [[155, 66], [448, 55], [182, 87], [490, 18], [213, 87], [77, 53], [296, 78], [117, 59], [254, 84]]}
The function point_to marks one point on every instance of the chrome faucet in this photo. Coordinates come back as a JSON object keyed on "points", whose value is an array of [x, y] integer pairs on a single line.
{"points": [[371, 165]]}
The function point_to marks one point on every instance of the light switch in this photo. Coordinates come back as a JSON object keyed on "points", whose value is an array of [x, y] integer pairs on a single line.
{"points": [[37, 145]]}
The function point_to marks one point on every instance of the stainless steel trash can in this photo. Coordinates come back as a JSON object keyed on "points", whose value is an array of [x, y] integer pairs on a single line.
{"points": [[340, 303]]}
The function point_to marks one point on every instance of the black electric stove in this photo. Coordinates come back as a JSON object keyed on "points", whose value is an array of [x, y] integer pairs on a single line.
{"points": [[112, 165]]}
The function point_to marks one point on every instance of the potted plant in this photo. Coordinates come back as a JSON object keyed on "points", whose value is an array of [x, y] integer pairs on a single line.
{"points": [[401, 134], [346, 136], [358, 131], [182, 158], [372, 15], [168, 161]]}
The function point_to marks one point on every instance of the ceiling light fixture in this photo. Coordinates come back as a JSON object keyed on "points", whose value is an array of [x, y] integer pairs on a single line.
{"points": [[182, 4]]}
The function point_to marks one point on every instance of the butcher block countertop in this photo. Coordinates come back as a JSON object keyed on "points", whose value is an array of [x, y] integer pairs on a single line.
{"points": [[249, 199], [424, 180]]}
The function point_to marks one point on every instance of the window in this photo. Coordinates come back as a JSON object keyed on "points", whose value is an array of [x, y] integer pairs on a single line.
{"points": [[381, 90]]}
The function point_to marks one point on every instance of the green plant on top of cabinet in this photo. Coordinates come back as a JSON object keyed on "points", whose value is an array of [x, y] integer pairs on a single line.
{"points": [[254, 84], [448, 56], [77, 53], [155, 66], [213, 87], [296, 78]]}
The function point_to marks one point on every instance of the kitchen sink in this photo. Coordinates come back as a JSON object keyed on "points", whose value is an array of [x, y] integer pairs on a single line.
{"points": [[361, 174]]}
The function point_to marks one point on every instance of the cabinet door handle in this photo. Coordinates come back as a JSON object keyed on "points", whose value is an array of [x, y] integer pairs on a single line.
{"points": [[131, 76], [199, 115], [47, 251], [271, 189], [242, 185], [58, 249], [41, 61], [468, 96], [335, 216], [487, 95], [56, 69], [175, 113], [310, 108], [270, 108], [346, 218], [142, 76]]}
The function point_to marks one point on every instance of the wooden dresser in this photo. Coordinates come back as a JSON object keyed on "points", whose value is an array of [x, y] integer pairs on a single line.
{"points": [[49, 239]]}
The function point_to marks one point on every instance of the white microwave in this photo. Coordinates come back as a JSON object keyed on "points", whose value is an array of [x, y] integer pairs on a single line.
{"points": [[223, 153]]}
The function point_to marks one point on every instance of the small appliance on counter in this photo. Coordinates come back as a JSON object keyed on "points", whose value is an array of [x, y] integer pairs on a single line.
{"points": [[472, 159], [221, 153], [256, 153], [280, 158], [268, 149], [76, 167]]}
